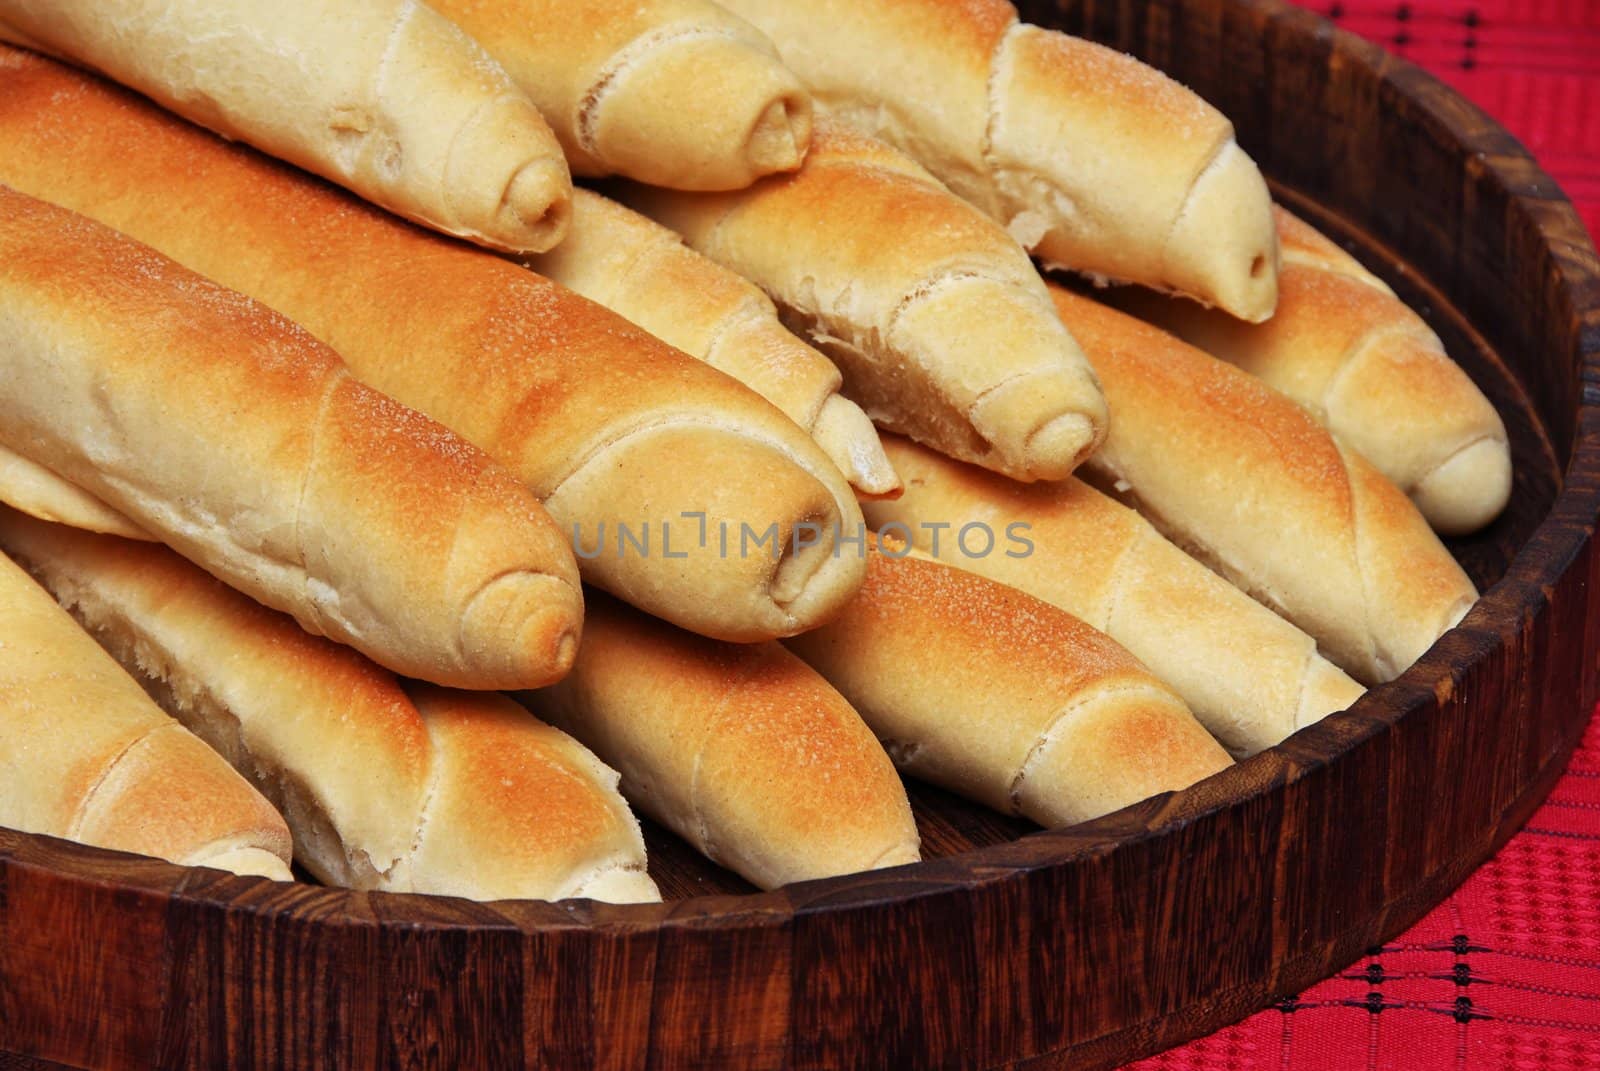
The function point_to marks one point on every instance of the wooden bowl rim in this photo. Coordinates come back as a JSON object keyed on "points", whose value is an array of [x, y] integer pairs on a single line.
{"points": [[1549, 551]]}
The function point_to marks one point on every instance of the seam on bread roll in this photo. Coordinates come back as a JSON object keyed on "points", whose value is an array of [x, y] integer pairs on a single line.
{"points": [[621, 61], [89, 800], [1063, 719], [430, 795], [986, 151], [1375, 649], [789, 560], [741, 749], [1213, 162]]}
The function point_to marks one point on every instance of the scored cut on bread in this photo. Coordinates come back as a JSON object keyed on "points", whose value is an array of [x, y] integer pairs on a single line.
{"points": [[935, 316], [1368, 369], [1249, 676], [232, 434], [385, 97], [676, 93], [607, 424], [740, 749], [1247, 481], [86, 756], [1003, 698], [642, 271], [1094, 161], [388, 785]]}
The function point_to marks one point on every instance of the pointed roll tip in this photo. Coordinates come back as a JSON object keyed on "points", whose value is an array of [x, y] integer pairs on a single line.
{"points": [[505, 183], [1223, 249], [1043, 426], [1118, 748], [247, 862], [1058, 446], [1468, 489], [847, 436], [706, 111], [538, 206], [521, 630], [1326, 689], [781, 134], [743, 525], [620, 883]]}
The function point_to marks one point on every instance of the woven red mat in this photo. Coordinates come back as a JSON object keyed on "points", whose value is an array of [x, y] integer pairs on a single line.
{"points": [[1505, 973]]}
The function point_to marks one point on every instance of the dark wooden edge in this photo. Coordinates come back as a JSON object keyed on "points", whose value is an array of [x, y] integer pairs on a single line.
{"points": [[1037, 870]]}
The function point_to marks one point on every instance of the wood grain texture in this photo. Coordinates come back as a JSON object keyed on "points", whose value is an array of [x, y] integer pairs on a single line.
{"points": [[1009, 948]]}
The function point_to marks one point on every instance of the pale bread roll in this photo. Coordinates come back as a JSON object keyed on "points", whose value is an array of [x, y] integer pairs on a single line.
{"points": [[605, 422], [1093, 160], [385, 97], [1368, 369], [1250, 677], [936, 317], [233, 435], [1244, 478], [642, 271], [1003, 698], [672, 92], [738, 748], [86, 756], [390, 786]]}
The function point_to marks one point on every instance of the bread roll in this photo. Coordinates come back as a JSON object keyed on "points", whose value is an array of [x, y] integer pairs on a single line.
{"points": [[643, 271], [38, 492], [673, 92], [86, 756], [403, 788], [1250, 677], [1003, 698], [1228, 467], [738, 748], [240, 440], [385, 97], [608, 424], [1368, 369], [1093, 160], [938, 321]]}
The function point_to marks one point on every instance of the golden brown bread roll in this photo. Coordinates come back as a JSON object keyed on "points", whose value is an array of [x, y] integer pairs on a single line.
{"points": [[399, 787], [1092, 159], [1003, 698], [1250, 677], [671, 92], [385, 97], [642, 271], [606, 423], [85, 755], [241, 441], [1244, 478], [1368, 369], [937, 319], [739, 748]]}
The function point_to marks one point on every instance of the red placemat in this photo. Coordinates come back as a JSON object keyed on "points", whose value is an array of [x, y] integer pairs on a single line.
{"points": [[1506, 972]]}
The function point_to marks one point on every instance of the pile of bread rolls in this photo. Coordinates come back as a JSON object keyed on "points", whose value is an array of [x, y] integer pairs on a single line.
{"points": [[377, 501]]}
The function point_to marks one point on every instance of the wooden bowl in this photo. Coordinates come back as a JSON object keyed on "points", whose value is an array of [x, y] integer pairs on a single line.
{"points": [[1010, 948]]}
